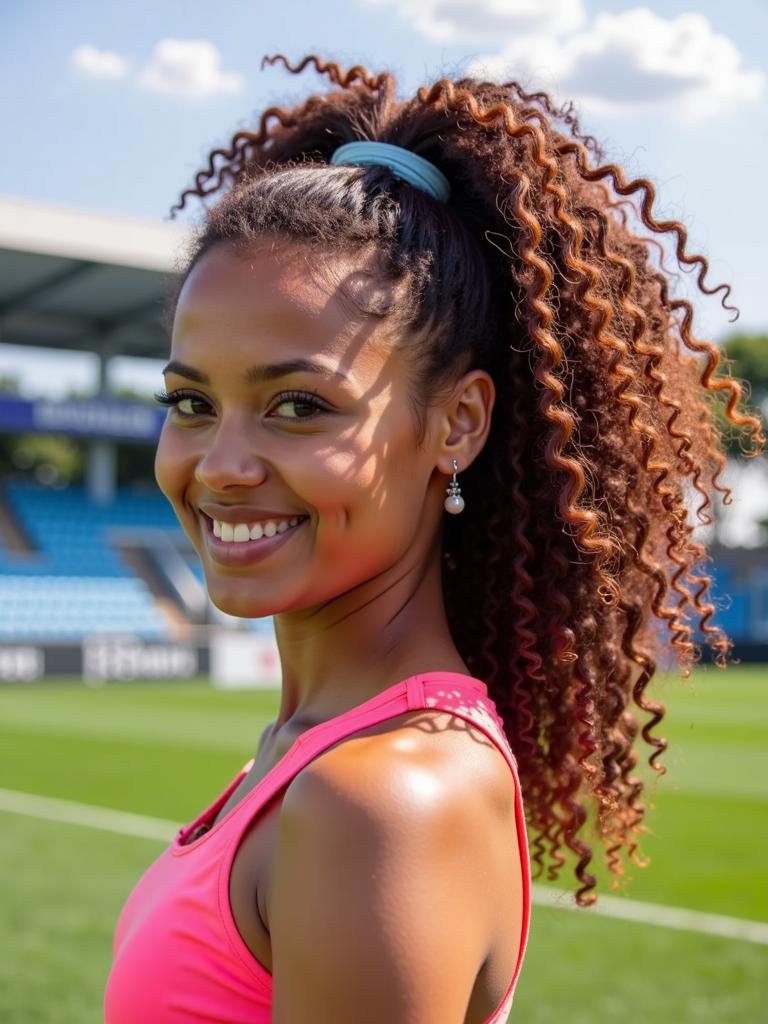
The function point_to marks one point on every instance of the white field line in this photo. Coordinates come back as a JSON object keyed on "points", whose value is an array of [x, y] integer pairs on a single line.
{"points": [[656, 914], [125, 823], [52, 809]]}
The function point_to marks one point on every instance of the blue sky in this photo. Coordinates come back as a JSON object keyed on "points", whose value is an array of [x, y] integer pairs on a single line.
{"points": [[113, 107]]}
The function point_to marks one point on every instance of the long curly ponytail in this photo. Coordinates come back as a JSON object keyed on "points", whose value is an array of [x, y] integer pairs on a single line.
{"points": [[573, 569]]}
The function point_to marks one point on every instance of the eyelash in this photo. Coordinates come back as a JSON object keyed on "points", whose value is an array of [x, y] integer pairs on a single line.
{"points": [[299, 397]]}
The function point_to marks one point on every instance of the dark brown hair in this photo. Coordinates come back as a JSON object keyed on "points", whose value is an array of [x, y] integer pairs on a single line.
{"points": [[574, 551]]}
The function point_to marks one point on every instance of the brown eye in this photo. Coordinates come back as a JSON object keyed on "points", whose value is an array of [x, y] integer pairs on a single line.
{"points": [[177, 397], [300, 400], [190, 400]]}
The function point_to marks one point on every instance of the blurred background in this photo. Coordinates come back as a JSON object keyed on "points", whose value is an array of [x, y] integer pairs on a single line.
{"points": [[127, 700]]}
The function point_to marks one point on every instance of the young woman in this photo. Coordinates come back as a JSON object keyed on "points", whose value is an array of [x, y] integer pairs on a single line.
{"points": [[434, 407]]}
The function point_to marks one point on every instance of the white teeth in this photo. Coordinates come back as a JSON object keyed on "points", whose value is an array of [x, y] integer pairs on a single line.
{"points": [[238, 533]]}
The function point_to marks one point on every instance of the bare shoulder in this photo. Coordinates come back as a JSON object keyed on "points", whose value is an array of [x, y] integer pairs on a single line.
{"points": [[420, 763], [427, 763], [380, 898], [460, 755]]}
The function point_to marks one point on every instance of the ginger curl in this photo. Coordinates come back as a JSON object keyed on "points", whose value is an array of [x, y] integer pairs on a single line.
{"points": [[575, 551]]}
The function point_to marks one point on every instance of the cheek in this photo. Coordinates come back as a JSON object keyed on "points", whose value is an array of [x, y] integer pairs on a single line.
{"points": [[347, 472], [353, 482], [370, 490], [170, 468], [382, 450]]}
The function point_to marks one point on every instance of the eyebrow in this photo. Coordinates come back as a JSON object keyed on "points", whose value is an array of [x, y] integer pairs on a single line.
{"points": [[259, 374]]}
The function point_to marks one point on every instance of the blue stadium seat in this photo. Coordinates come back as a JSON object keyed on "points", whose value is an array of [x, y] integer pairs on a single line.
{"points": [[76, 583]]}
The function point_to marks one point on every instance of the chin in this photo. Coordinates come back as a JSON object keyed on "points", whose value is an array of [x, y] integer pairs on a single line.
{"points": [[242, 606], [240, 598]]}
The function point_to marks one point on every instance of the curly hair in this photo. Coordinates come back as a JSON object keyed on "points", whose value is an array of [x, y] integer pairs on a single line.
{"points": [[575, 549]]}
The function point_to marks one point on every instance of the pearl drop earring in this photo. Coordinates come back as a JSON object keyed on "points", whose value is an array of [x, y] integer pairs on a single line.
{"points": [[454, 503]]}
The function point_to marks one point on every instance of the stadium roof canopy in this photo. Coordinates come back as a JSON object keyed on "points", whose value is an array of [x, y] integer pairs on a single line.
{"points": [[72, 279]]}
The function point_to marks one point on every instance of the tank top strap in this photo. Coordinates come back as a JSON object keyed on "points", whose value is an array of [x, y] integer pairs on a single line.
{"points": [[467, 698], [461, 695]]}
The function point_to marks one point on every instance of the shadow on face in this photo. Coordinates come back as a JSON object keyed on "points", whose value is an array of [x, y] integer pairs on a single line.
{"points": [[293, 398]]}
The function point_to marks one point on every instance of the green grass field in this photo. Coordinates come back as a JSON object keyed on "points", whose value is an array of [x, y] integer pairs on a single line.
{"points": [[167, 750]]}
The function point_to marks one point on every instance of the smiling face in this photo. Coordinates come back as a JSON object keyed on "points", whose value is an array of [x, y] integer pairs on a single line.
{"points": [[293, 407]]}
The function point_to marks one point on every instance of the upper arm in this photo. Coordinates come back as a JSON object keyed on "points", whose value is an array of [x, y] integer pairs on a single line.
{"points": [[374, 912]]}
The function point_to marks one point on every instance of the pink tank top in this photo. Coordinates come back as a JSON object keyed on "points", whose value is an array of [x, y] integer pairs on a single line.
{"points": [[178, 955]]}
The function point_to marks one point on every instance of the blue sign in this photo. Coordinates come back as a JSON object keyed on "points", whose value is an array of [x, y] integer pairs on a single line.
{"points": [[120, 419]]}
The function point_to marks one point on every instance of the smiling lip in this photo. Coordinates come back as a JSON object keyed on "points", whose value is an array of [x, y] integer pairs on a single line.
{"points": [[247, 552], [243, 514]]}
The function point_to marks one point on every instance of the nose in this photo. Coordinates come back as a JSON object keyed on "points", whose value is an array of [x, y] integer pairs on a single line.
{"points": [[230, 461]]}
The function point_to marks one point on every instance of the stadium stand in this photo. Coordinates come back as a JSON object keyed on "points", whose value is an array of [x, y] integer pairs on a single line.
{"points": [[75, 583], [69, 530], [68, 607]]}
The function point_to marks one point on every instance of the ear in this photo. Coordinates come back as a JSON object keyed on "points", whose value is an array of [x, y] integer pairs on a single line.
{"points": [[464, 421]]}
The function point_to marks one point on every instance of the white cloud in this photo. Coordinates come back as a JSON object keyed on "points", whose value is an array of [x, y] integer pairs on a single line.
{"points": [[466, 20], [612, 64], [636, 59], [188, 68], [94, 63]]}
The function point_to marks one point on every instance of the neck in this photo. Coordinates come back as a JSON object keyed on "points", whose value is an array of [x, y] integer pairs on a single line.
{"points": [[346, 651]]}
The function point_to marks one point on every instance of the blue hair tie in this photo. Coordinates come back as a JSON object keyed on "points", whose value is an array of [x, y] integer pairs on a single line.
{"points": [[402, 162]]}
